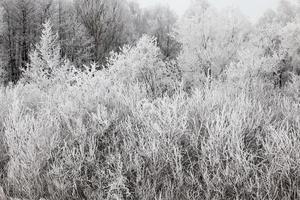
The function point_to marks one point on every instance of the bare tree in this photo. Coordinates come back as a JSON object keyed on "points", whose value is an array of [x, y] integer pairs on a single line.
{"points": [[103, 21]]}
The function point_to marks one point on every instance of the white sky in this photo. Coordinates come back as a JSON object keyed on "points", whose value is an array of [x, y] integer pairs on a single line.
{"points": [[179, 6], [251, 8]]}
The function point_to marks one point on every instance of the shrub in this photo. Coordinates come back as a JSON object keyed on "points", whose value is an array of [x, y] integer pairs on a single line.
{"points": [[142, 64]]}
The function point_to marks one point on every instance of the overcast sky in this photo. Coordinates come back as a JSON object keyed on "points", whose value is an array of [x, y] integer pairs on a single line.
{"points": [[251, 8]]}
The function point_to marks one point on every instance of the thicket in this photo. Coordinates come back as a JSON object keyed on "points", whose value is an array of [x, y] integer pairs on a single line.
{"points": [[143, 127]]}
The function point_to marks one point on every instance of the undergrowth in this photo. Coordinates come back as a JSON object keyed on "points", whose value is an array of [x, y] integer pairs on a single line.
{"points": [[215, 143]]}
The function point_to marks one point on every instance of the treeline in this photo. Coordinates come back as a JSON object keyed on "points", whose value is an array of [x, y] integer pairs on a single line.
{"points": [[205, 41], [224, 44], [87, 30]]}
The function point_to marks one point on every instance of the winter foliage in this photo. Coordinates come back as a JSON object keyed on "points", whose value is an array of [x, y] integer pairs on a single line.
{"points": [[135, 118]]}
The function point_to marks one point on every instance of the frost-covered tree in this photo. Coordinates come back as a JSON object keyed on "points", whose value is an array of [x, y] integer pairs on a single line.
{"points": [[270, 54], [286, 12], [210, 40], [291, 42], [104, 21], [161, 21], [277, 34], [76, 45], [269, 17], [45, 59]]}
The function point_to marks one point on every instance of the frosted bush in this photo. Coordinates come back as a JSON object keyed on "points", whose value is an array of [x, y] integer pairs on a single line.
{"points": [[252, 64], [140, 64]]}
